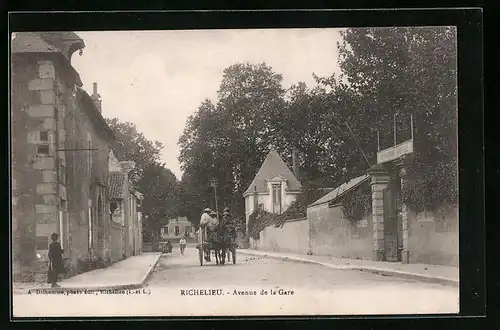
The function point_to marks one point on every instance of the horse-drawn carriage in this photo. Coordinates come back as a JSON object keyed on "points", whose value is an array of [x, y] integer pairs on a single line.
{"points": [[220, 242]]}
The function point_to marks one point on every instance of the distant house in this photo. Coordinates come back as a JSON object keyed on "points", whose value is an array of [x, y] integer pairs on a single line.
{"points": [[274, 187], [176, 228]]}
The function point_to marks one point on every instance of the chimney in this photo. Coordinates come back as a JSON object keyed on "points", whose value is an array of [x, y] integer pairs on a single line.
{"points": [[295, 164], [96, 97]]}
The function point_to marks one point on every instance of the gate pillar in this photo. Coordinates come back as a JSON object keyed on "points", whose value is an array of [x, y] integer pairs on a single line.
{"points": [[379, 183]]}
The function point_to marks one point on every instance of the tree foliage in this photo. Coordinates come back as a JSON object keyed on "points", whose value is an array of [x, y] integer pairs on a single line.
{"points": [[387, 74], [403, 71], [228, 141]]}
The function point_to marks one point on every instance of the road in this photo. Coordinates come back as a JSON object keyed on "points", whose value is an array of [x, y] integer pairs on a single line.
{"points": [[299, 289]]}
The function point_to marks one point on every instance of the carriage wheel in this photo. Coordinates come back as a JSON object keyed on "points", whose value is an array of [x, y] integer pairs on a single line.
{"points": [[200, 254], [233, 252]]}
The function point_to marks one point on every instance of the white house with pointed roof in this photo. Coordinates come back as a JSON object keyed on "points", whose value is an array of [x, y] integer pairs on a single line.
{"points": [[274, 187]]}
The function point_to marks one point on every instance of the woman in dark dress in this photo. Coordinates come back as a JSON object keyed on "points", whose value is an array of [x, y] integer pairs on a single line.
{"points": [[55, 260]]}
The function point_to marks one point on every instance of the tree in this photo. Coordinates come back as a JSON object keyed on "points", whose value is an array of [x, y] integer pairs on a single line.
{"points": [[229, 140], [160, 189], [403, 71], [132, 145]]}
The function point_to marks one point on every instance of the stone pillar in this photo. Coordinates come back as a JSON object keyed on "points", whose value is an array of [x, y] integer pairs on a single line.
{"points": [[405, 254], [379, 183], [43, 107]]}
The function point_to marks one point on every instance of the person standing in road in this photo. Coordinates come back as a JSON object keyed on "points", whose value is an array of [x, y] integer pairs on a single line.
{"points": [[55, 260], [182, 244]]}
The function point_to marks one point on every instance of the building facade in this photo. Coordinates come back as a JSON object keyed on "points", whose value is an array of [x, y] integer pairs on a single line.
{"points": [[60, 145], [273, 188], [176, 228], [124, 209]]}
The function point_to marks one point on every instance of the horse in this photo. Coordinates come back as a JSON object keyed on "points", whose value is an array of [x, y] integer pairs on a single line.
{"points": [[225, 236]]}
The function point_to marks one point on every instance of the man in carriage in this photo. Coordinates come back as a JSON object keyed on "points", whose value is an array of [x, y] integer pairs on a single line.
{"points": [[209, 221]]}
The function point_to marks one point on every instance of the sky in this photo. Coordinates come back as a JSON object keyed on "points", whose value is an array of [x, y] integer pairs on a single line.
{"points": [[156, 79]]}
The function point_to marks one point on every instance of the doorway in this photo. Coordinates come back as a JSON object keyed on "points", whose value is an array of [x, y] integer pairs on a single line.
{"points": [[392, 221]]}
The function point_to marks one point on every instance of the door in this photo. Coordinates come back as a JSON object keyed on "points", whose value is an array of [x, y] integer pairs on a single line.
{"points": [[391, 224]]}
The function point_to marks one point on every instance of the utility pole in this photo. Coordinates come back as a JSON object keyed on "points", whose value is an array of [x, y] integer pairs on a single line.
{"points": [[213, 183]]}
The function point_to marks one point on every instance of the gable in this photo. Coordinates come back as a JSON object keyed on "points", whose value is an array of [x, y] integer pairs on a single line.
{"points": [[272, 167], [114, 164], [277, 178]]}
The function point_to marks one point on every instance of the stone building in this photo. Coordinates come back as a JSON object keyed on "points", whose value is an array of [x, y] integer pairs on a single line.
{"points": [[60, 147], [273, 188], [176, 228], [124, 209]]}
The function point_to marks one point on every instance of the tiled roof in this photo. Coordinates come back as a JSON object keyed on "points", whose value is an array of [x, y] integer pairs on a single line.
{"points": [[116, 185], [273, 166], [342, 189]]}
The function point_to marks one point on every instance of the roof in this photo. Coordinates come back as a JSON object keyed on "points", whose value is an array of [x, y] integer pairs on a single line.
{"points": [[115, 182], [94, 114], [273, 166], [63, 42], [341, 190], [58, 43]]}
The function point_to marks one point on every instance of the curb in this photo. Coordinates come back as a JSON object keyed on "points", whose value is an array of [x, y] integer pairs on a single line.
{"points": [[374, 270], [129, 286], [150, 271]]}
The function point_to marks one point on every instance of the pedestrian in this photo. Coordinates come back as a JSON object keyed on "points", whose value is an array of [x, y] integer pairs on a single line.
{"points": [[182, 243], [55, 260]]}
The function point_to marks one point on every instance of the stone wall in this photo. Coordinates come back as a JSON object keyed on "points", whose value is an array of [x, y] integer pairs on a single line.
{"points": [[292, 237], [27, 120], [331, 234], [433, 236], [115, 244], [87, 178]]}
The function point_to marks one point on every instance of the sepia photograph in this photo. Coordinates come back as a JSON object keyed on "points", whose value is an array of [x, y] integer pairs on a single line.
{"points": [[235, 172]]}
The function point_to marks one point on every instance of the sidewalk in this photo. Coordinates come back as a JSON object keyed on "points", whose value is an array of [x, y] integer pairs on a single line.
{"points": [[447, 275], [125, 274]]}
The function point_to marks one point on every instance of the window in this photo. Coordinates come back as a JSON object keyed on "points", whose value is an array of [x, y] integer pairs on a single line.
{"points": [[176, 230], [42, 150], [44, 136], [276, 198], [62, 204]]}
